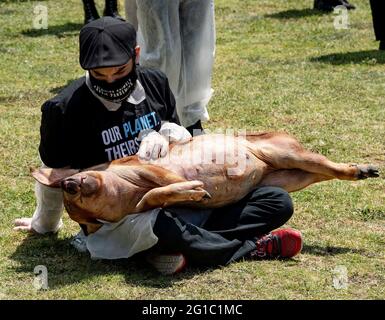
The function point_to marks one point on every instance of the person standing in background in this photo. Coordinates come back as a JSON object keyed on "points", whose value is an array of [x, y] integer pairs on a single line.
{"points": [[378, 14], [178, 37], [91, 14]]}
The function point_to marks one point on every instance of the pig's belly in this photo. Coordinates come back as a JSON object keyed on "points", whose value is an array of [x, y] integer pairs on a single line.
{"points": [[228, 169]]}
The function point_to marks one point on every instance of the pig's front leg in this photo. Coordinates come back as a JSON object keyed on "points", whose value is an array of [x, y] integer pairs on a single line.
{"points": [[176, 193]]}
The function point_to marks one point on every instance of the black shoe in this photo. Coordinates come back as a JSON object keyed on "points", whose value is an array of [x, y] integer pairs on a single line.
{"points": [[111, 9], [348, 5], [196, 129], [329, 5], [323, 5], [90, 12], [382, 45]]}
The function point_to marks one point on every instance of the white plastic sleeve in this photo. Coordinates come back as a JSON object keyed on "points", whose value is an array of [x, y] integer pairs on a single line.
{"points": [[49, 209]]}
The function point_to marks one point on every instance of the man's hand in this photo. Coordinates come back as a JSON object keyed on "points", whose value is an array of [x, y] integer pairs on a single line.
{"points": [[153, 146], [24, 224]]}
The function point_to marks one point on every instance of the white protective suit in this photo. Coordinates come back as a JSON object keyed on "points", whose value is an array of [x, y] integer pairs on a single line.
{"points": [[178, 37], [113, 240]]}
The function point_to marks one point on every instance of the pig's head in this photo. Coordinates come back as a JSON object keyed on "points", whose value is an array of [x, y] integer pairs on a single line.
{"points": [[88, 195]]}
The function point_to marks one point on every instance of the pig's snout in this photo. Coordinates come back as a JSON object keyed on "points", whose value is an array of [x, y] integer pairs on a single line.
{"points": [[85, 184], [71, 185]]}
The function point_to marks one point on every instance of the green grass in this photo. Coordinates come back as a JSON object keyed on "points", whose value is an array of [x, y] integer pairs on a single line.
{"points": [[279, 66]]}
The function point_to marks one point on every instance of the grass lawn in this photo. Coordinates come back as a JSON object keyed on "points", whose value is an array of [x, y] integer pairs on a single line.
{"points": [[279, 66]]}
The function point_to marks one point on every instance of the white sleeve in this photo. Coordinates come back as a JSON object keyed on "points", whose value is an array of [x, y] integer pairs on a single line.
{"points": [[49, 209]]}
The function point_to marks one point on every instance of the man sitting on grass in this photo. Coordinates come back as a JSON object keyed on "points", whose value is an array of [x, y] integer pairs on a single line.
{"points": [[119, 109]]}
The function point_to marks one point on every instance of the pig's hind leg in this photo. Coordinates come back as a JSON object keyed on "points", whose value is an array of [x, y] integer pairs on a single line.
{"points": [[292, 179], [285, 152]]}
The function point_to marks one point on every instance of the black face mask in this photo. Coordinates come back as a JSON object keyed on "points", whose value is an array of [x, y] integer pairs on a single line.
{"points": [[116, 91]]}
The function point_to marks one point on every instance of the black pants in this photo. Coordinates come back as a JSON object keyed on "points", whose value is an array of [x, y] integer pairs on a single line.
{"points": [[229, 233], [378, 14]]}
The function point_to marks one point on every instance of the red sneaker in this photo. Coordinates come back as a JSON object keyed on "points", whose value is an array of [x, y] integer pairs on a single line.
{"points": [[283, 243]]}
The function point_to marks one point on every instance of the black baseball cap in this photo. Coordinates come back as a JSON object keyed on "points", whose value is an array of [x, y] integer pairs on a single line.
{"points": [[106, 42]]}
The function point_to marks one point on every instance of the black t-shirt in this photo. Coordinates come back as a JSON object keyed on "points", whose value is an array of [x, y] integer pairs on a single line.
{"points": [[77, 130]]}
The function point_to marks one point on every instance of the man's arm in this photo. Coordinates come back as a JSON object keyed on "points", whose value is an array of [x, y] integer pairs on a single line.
{"points": [[169, 99], [154, 144], [49, 208], [52, 148]]}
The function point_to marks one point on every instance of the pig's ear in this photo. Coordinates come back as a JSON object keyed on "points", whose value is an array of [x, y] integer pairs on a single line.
{"points": [[52, 177]]}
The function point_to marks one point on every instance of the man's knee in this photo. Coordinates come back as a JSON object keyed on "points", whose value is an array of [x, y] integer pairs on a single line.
{"points": [[278, 200], [287, 203]]}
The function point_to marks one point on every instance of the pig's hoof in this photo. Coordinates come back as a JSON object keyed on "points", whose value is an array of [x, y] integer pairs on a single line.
{"points": [[367, 171], [201, 194], [207, 195]]}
